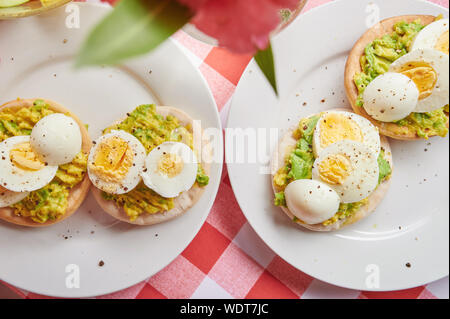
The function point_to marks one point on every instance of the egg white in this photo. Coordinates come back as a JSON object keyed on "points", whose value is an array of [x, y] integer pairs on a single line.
{"points": [[8, 198], [364, 175], [371, 136], [390, 97], [166, 186], [428, 37], [132, 178], [57, 139], [311, 201], [440, 63], [16, 179]]}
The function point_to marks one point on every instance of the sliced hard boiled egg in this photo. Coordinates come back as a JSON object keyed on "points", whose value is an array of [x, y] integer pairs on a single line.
{"points": [[57, 139], [115, 161], [21, 170], [170, 169], [433, 36], [311, 201], [8, 198], [428, 69], [335, 126], [350, 168], [390, 97]]}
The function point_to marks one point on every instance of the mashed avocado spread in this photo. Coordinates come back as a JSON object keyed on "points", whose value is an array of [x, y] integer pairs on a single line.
{"points": [[299, 164], [377, 58], [50, 202], [151, 129]]}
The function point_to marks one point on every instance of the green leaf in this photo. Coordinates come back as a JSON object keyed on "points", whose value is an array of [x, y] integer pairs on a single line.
{"points": [[133, 28], [267, 65]]}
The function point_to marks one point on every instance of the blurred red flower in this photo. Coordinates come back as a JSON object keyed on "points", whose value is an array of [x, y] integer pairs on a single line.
{"points": [[243, 26]]}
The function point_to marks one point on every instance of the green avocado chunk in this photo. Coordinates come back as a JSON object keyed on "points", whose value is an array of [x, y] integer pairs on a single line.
{"points": [[385, 167], [302, 159], [202, 178]]}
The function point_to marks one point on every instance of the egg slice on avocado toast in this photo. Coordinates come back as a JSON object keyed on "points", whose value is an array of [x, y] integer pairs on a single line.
{"points": [[149, 167], [331, 170], [397, 76], [43, 162]]}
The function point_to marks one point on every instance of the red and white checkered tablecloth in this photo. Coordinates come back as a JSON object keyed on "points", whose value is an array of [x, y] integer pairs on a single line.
{"points": [[227, 259]]}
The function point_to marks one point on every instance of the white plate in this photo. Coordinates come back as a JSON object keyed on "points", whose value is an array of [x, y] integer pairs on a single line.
{"points": [[410, 226], [36, 61]]}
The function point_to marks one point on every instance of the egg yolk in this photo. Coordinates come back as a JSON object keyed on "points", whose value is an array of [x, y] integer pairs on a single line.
{"points": [[335, 169], [22, 156], [442, 43], [423, 75], [338, 127], [113, 160], [170, 165]]}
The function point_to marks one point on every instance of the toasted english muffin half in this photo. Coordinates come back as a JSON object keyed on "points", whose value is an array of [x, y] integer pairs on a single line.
{"points": [[77, 194], [185, 200], [285, 147], [353, 66]]}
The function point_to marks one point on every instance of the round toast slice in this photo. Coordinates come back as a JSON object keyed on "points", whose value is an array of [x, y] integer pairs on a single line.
{"points": [[353, 66], [77, 194], [185, 200], [288, 143]]}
